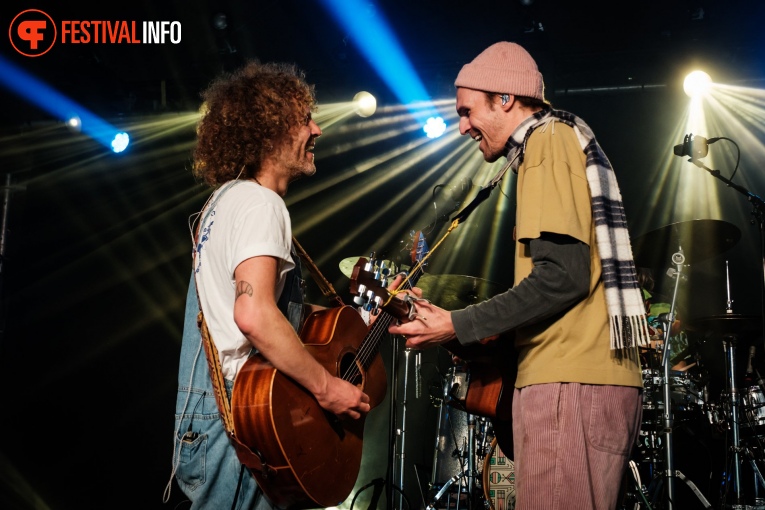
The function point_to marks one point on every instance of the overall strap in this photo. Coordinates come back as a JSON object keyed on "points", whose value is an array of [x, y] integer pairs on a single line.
{"points": [[248, 457]]}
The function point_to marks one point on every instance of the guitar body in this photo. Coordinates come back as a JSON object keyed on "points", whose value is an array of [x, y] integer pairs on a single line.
{"points": [[492, 367], [315, 455]]}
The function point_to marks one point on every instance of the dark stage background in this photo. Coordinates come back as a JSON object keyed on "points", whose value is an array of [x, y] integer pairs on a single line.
{"points": [[97, 249]]}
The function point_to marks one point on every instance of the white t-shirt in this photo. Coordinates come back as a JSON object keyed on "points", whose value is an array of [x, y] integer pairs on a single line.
{"points": [[242, 220]]}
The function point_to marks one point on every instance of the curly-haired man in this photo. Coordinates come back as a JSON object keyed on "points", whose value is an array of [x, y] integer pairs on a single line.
{"points": [[256, 136]]}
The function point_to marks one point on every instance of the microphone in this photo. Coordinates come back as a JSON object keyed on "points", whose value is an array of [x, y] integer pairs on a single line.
{"points": [[418, 374], [694, 146]]}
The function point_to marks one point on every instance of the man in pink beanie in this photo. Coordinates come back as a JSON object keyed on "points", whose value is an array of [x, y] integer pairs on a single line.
{"points": [[575, 307]]}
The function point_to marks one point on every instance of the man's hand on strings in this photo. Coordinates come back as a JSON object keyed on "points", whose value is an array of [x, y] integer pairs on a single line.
{"points": [[394, 284], [430, 326]]}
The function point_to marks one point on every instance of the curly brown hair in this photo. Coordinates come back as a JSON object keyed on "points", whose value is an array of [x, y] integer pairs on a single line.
{"points": [[246, 115]]}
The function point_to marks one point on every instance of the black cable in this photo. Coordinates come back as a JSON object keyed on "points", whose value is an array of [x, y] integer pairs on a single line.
{"points": [[738, 158], [376, 482]]}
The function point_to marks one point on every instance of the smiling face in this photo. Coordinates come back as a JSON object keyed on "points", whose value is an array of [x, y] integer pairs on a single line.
{"points": [[486, 120], [296, 155]]}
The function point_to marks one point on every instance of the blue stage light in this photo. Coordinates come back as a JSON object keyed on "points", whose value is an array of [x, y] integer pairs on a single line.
{"points": [[47, 98], [380, 46], [434, 127], [120, 142]]}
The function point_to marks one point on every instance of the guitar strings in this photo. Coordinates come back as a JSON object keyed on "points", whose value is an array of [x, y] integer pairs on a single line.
{"points": [[370, 346]]}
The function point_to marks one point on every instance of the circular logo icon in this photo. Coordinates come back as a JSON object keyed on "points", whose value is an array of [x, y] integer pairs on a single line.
{"points": [[32, 33]]}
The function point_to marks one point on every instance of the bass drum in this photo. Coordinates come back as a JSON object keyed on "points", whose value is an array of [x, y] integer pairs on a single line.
{"points": [[498, 479]]}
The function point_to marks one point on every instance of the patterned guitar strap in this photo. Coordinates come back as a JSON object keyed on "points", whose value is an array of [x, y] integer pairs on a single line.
{"points": [[252, 459]]}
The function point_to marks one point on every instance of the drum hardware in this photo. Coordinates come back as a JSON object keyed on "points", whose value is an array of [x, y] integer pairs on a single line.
{"points": [[695, 241], [462, 443], [396, 438], [737, 402], [678, 258]]}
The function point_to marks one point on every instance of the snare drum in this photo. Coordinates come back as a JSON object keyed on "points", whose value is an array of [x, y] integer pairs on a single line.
{"points": [[687, 397], [499, 479], [684, 391]]}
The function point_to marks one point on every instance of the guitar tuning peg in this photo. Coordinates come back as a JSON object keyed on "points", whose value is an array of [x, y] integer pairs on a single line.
{"points": [[382, 272], [359, 299], [375, 306], [369, 300]]}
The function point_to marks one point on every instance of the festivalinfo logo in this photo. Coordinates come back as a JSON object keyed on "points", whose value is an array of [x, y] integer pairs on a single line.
{"points": [[33, 32]]}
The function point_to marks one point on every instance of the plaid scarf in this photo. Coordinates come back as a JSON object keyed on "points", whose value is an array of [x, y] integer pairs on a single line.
{"points": [[627, 321]]}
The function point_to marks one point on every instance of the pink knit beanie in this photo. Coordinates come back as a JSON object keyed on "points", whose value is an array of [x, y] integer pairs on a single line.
{"points": [[503, 67]]}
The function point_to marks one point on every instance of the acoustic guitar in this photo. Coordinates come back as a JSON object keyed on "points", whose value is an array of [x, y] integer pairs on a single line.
{"points": [[311, 458]]}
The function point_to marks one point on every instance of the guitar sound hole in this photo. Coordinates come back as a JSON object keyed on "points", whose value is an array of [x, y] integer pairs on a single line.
{"points": [[349, 370]]}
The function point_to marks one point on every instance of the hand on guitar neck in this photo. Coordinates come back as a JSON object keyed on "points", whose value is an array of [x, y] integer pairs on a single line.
{"points": [[431, 326], [415, 292]]}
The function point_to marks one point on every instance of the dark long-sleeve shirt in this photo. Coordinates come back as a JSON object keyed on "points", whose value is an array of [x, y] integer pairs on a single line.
{"points": [[559, 279]]}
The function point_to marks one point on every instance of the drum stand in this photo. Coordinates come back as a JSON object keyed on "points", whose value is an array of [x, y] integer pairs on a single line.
{"points": [[467, 472], [669, 472], [470, 473], [729, 342], [393, 434]]}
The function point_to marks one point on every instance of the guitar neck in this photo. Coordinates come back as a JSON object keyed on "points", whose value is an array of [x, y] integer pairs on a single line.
{"points": [[370, 346], [392, 308]]}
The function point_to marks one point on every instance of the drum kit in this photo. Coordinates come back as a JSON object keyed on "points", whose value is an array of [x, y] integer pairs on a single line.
{"points": [[685, 391], [682, 391]]}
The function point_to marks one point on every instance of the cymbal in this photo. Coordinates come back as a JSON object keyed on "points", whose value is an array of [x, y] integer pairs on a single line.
{"points": [[456, 291], [730, 323], [347, 265], [699, 239]]}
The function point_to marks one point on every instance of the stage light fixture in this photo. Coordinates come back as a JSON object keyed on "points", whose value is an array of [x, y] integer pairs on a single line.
{"points": [[367, 27], [364, 104], [697, 84], [41, 94], [434, 127], [74, 123], [120, 142]]}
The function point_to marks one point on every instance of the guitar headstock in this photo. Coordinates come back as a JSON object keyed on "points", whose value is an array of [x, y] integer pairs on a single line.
{"points": [[369, 281]]}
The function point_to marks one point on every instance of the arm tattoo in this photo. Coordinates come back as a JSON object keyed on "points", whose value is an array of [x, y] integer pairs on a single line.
{"points": [[243, 288]]}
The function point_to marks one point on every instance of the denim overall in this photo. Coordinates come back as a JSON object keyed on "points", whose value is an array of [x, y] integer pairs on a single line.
{"points": [[208, 470]]}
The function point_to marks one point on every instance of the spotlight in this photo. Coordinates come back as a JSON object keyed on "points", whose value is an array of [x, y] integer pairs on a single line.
{"points": [[120, 142], [364, 104], [57, 104], [434, 127], [697, 83], [74, 123]]}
